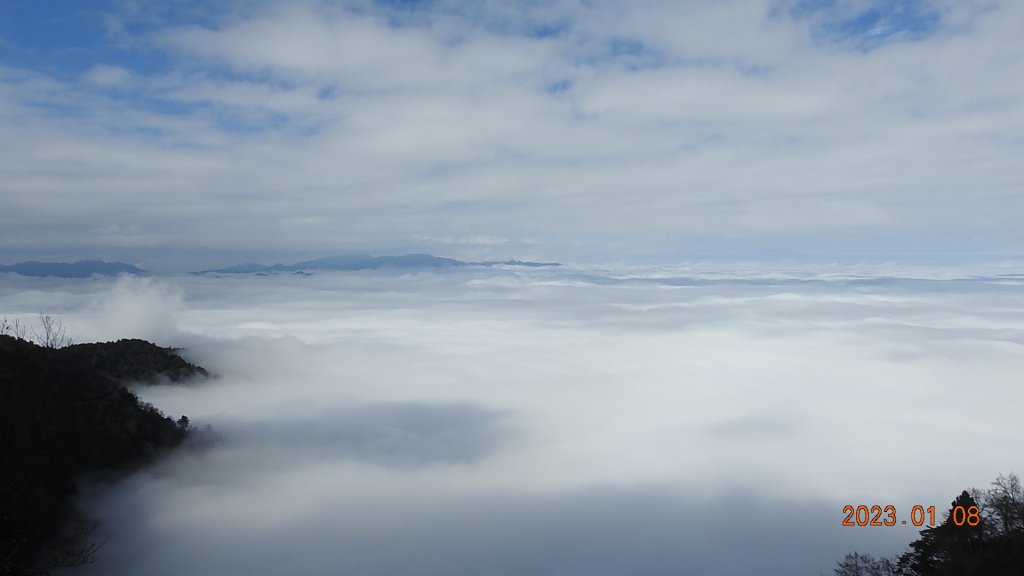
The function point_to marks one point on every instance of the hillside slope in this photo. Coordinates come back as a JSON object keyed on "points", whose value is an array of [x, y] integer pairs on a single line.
{"points": [[65, 412]]}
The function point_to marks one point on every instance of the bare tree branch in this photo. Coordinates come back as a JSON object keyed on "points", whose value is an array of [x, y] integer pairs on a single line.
{"points": [[9, 328], [54, 334]]}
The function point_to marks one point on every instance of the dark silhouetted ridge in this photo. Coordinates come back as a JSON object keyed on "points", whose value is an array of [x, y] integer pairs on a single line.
{"points": [[65, 412], [131, 361]]}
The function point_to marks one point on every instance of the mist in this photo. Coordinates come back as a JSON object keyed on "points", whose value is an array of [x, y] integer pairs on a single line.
{"points": [[571, 421]]}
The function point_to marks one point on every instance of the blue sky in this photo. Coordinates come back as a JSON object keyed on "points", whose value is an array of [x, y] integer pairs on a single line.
{"points": [[204, 132], [869, 25]]}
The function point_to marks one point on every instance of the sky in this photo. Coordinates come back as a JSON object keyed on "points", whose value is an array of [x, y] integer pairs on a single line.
{"points": [[551, 422], [185, 135]]}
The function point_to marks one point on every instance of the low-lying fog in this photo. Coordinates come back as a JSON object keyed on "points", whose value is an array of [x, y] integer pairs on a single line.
{"points": [[542, 422]]}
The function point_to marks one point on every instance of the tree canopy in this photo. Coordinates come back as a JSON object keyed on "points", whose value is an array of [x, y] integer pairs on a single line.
{"points": [[982, 535], [64, 412]]}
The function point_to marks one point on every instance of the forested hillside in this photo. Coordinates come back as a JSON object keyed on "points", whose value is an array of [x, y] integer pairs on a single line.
{"points": [[982, 535], [65, 412]]}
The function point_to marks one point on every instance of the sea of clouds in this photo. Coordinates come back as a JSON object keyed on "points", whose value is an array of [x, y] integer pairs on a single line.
{"points": [[573, 421]]}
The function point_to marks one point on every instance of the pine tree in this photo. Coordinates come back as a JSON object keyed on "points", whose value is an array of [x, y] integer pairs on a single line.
{"points": [[954, 548]]}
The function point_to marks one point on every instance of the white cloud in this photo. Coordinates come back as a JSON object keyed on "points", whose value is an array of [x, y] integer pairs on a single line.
{"points": [[137, 308], [378, 407], [108, 76], [605, 130]]}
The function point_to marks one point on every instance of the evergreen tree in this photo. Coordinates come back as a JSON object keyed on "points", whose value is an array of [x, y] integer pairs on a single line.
{"points": [[952, 548], [982, 535]]}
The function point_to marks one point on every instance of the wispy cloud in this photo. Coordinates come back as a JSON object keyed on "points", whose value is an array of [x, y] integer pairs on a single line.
{"points": [[601, 131]]}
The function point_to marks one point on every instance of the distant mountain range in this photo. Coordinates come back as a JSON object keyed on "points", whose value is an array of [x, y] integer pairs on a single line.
{"points": [[87, 268], [364, 262], [80, 269]]}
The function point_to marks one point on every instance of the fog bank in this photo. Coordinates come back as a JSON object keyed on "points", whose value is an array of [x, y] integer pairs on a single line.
{"points": [[553, 422]]}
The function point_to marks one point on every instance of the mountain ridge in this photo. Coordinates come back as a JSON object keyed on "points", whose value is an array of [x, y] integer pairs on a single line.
{"points": [[355, 262], [66, 412], [79, 269]]}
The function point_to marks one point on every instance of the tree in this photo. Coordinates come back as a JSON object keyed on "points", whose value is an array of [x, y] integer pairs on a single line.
{"points": [[982, 535], [955, 547], [1004, 506], [64, 413], [53, 335], [865, 565], [9, 328]]}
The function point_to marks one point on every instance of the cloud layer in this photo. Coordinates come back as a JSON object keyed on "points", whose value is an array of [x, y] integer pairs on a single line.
{"points": [[571, 421], [569, 130]]}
